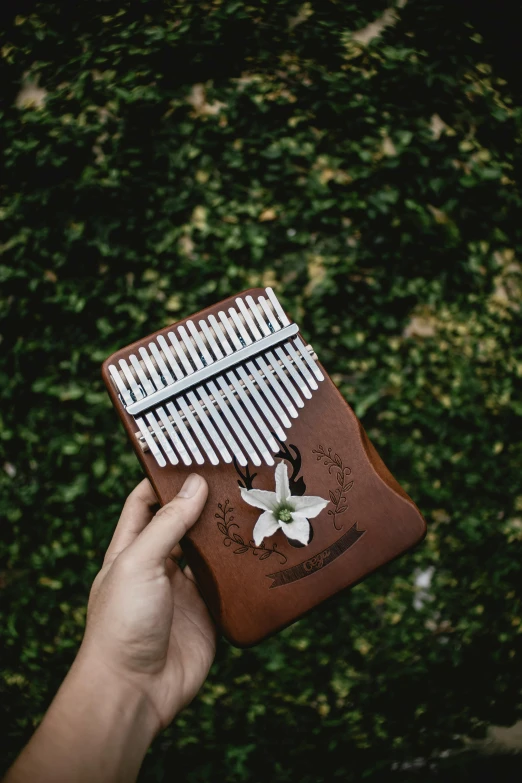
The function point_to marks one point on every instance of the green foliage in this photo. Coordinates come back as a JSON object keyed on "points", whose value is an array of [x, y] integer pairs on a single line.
{"points": [[161, 156]]}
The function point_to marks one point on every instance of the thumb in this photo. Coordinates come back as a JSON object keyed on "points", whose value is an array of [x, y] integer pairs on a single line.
{"points": [[170, 524]]}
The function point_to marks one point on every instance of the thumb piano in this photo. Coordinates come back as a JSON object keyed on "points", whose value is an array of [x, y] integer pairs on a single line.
{"points": [[235, 394]]}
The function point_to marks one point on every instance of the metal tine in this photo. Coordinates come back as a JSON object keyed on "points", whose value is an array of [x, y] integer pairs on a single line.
{"points": [[156, 378], [207, 424], [217, 329], [167, 350], [199, 362], [174, 437], [129, 377], [209, 359], [277, 307], [205, 356], [244, 337], [209, 337], [243, 415], [189, 440], [289, 386], [266, 384], [151, 443], [253, 391], [300, 365], [189, 416], [171, 456], [138, 369], [182, 356], [245, 421], [231, 441], [270, 356], [237, 428], [158, 358], [294, 375], [194, 426], [187, 342], [214, 413], [263, 407], [260, 324], [123, 390], [258, 421], [219, 400], [232, 336], [303, 353], [287, 383], [272, 321], [261, 382]]}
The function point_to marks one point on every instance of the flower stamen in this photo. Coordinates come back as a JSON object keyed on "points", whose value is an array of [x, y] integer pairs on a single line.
{"points": [[284, 514]]}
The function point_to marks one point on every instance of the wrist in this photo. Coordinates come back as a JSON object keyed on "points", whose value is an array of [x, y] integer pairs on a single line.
{"points": [[108, 714], [120, 695], [98, 727]]}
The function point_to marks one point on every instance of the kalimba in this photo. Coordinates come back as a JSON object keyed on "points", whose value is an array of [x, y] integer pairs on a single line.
{"points": [[232, 393]]}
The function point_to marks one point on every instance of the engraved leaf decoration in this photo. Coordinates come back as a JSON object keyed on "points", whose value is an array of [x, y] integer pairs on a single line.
{"points": [[341, 509], [224, 526], [347, 487]]}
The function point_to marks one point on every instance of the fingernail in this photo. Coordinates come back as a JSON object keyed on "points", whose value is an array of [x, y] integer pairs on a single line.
{"points": [[190, 487]]}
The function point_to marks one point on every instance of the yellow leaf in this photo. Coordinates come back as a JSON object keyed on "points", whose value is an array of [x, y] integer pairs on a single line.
{"points": [[199, 217], [267, 214], [173, 304], [31, 96]]}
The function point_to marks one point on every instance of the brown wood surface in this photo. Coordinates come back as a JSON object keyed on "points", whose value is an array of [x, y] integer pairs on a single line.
{"points": [[246, 602]]}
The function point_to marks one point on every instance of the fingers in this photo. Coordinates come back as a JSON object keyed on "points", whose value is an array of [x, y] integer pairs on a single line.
{"points": [[137, 512], [177, 553], [189, 574], [158, 539]]}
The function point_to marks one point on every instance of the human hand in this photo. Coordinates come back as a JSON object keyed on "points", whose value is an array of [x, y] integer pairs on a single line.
{"points": [[148, 646], [146, 620]]}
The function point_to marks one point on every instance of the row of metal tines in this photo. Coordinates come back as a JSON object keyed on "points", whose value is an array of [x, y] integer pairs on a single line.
{"points": [[226, 389]]}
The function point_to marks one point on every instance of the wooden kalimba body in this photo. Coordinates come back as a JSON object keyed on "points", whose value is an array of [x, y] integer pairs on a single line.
{"points": [[230, 393]]}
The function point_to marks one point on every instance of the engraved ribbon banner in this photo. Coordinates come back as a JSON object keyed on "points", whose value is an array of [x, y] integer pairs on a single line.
{"points": [[318, 561]]}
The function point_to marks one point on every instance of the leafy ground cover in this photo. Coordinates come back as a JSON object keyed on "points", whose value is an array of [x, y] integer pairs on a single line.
{"points": [[364, 160]]}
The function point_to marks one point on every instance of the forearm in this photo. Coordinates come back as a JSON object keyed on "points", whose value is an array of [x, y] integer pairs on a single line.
{"points": [[98, 728], [148, 646]]}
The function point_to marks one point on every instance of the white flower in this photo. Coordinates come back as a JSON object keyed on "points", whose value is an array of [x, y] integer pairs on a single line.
{"points": [[282, 510]]}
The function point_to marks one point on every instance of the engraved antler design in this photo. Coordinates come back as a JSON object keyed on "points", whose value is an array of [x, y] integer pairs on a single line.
{"points": [[247, 477], [297, 485]]}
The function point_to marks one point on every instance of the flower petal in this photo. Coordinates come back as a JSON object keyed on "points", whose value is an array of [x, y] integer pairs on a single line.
{"points": [[265, 526], [298, 529], [309, 506], [282, 485], [260, 498]]}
